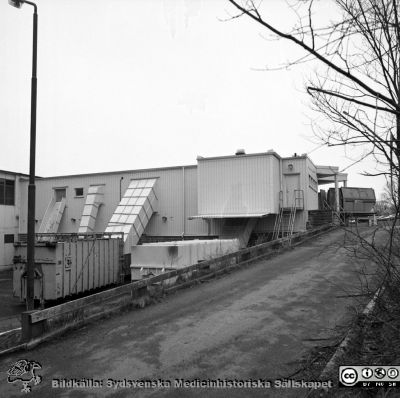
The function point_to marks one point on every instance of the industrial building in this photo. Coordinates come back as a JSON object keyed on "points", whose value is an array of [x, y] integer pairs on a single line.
{"points": [[229, 197]]}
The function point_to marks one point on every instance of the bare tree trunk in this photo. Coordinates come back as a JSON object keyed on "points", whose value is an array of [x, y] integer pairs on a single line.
{"points": [[397, 169]]}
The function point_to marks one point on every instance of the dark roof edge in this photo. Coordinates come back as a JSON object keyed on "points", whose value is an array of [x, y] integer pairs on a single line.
{"points": [[15, 173], [246, 155], [119, 172]]}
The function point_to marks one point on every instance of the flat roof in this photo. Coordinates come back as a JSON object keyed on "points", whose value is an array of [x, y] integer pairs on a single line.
{"points": [[327, 170], [120, 172], [244, 155], [322, 171], [14, 173]]}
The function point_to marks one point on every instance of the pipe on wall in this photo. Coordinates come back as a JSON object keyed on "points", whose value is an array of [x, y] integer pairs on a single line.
{"points": [[120, 188], [280, 178], [184, 203], [17, 202]]}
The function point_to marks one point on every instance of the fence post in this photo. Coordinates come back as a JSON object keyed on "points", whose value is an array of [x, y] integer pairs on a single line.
{"points": [[31, 330]]}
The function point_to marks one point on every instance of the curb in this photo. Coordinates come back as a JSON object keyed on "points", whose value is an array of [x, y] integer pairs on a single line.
{"points": [[349, 337]]}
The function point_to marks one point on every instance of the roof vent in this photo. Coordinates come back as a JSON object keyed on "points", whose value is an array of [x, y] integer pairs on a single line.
{"points": [[240, 152]]}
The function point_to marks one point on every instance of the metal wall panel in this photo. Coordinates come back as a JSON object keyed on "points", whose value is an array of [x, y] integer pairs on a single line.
{"points": [[312, 195], [238, 185], [9, 217], [303, 167], [192, 226], [171, 218], [71, 267]]}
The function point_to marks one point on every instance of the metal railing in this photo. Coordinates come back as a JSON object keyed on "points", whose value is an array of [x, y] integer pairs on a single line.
{"points": [[299, 199], [296, 204], [70, 237], [70, 314]]}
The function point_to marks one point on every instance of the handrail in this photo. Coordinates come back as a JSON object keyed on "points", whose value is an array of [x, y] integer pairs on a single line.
{"points": [[241, 256], [339, 214], [57, 237], [47, 213]]}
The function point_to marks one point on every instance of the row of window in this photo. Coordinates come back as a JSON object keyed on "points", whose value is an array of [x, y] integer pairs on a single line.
{"points": [[312, 183], [61, 193], [7, 192]]}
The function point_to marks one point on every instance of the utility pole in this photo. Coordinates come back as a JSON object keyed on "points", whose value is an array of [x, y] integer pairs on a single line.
{"points": [[31, 187]]}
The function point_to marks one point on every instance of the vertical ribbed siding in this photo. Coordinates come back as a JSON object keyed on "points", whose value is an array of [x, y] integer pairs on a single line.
{"points": [[237, 185], [169, 191], [300, 165], [193, 226], [8, 222], [276, 185], [312, 197]]}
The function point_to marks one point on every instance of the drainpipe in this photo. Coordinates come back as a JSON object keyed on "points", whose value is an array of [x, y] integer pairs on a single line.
{"points": [[17, 202], [184, 202], [120, 188], [280, 179]]}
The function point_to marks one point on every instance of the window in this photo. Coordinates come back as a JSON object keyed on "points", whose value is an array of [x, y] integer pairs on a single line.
{"points": [[78, 191], [9, 238], [312, 183], [60, 193], [7, 192]]}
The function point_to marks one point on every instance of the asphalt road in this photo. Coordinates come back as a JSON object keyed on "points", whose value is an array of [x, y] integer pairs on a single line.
{"points": [[255, 323]]}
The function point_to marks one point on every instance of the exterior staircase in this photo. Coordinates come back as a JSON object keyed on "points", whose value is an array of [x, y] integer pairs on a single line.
{"points": [[285, 219], [52, 217]]}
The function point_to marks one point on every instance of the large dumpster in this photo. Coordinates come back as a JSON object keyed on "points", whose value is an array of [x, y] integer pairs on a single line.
{"points": [[357, 200], [353, 201], [67, 265]]}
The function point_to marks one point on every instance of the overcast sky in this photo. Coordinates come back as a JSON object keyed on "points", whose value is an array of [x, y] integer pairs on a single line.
{"points": [[128, 84]]}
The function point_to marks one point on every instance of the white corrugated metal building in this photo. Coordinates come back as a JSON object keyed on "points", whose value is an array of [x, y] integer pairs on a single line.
{"points": [[218, 197], [10, 205]]}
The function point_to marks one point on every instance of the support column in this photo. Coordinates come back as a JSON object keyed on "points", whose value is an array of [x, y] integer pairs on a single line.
{"points": [[337, 207]]}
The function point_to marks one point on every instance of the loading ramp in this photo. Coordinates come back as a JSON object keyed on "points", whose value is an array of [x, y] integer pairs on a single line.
{"points": [[94, 200], [52, 217], [134, 211]]}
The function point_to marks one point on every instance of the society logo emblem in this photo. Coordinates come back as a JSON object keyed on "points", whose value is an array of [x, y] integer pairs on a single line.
{"points": [[24, 371], [348, 376]]}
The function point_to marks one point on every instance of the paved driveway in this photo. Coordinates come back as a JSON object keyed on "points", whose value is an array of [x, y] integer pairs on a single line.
{"points": [[252, 324]]}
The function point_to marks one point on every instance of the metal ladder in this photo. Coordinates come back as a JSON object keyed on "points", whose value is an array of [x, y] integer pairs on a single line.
{"points": [[292, 217], [278, 224], [278, 219], [298, 196]]}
